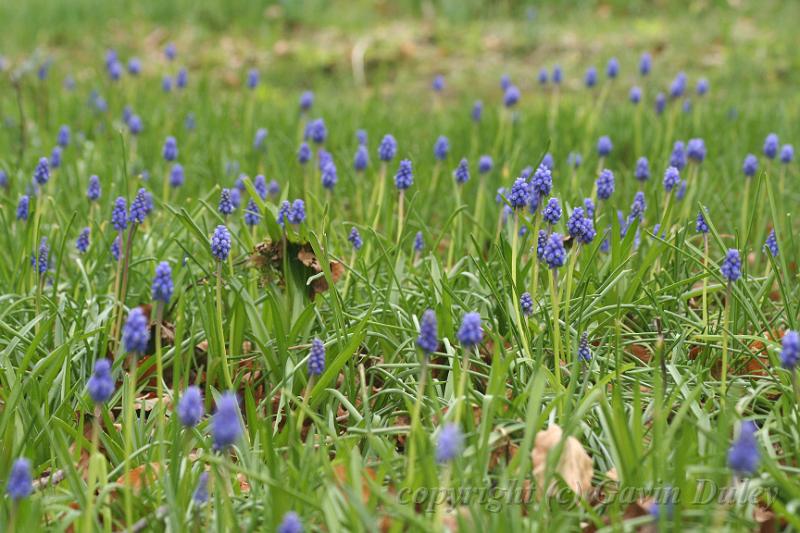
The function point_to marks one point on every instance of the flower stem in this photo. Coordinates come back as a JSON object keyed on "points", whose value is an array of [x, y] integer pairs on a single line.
{"points": [[221, 330], [556, 328], [415, 422], [130, 394]]}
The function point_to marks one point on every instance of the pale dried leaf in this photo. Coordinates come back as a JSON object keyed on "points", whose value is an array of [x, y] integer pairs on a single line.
{"points": [[574, 465]]}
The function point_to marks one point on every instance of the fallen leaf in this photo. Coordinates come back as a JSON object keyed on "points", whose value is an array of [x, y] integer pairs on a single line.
{"points": [[574, 465]]}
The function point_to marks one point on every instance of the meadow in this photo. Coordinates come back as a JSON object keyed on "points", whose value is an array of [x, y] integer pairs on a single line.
{"points": [[399, 266]]}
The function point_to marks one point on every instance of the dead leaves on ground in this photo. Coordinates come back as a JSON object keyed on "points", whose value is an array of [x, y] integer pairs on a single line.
{"points": [[268, 258], [574, 465]]}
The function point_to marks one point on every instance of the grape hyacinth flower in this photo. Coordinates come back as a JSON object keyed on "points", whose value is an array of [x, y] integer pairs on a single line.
{"points": [[584, 352], [771, 146], [680, 194], [701, 226], [441, 148], [731, 266], [317, 131], [316, 358], [635, 94], [438, 83], [101, 384], [63, 136], [297, 213], [290, 523], [388, 148], [787, 154], [661, 103], [176, 176], [590, 79], [604, 146], [306, 100], [505, 82], [678, 85], [589, 206], [225, 426], [678, 157], [428, 340], [612, 68], [134, 66], [139, 207], [283, 213], [93, 190], [574, 160], [638, 206], [554, 253], [419, 242], [225, 203], [462, 172], [361, 159], [260, 138], [42, 172], [750, 165], [547, 161], [190, 407], [471, 332], [135, 125], [162, 287], [329, 176], [273, 189], [477, 111], [542, 181], [696, 150], [136, 333], [575, 225], [645, 64], [3, 180], [355, 239], [558, 74], [39, 261], [182, 79], [404, 177], [55, 157], [449, 444], [542, 76], [252, 216], [23, 207], [20, 481], [790, 350], [200, 495], [743, 455], [642, 172], [541, 242], [671, 178], [221, 243], [252, 78], [526, 304], [511, 96], [82, 243], [771, 243], [485, 164], [552, 211], [304, 153], [605, 184], [115, 248], [170, 51], [520, 194], [170, 149], [702, 87]]}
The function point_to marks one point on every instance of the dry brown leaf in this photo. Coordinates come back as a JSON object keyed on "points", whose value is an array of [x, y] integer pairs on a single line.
{"points": [[574, 465], [640, 352], [141, 476]]}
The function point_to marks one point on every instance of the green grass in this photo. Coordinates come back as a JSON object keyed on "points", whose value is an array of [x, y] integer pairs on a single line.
{"points": [[337, 449]]}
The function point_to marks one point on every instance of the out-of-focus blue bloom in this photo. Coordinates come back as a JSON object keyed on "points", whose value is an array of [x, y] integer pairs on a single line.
{"points": [[388, 148], [678, 85], [134, 66], [462, 172], [678, 157], [329, 175], [645, 64], [450, 443], [419, 242], [260, 185], [221, 243], [558, 75], [485, 164], [552, 211], [260, 138], [166, 84], [574, 160], [115, 71], [252, 78], [136, 333], [135, 125], [190, 407], [176, 175], [3, 180], [323, 158], [23, 207], [236, 197], [170, 51], [605, 184], [361, 136], [731, 266], [438, 83], [701, 225], [355, 239], [404, 177], [635, 94], [40, 261], [290, 523], [119, 215], [588, 205], [20, 480], [554, 254], [584, 352], [139, 207], [547, 161], [316, 358], [63, 136], [42, 172], [661, 103], [182, 79], [252, 216], [441, 148], [317, 131], [702, 86], [477, 111], [101, 384], [505, 82], [93, 190], [787, 153], [743, 455], [170, 151], [470, 333], [361, 159], [590, 79], [604, 146], [671, 178], [55, 157], [696, 150], [533, 202], [225, 426], [771, 146], [526, 304], [771, 243], [750, 165], [511, 96], [304, 153], [542, 181], [82, 242], [680, 194], [687, 105], [428, 339], [638, 206], [115, 249], [542, 76], [642, 172], [200, 495], [189, 122], [306, 100], [297, 214], [790, 350], [162, 287], [612, 68]]}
